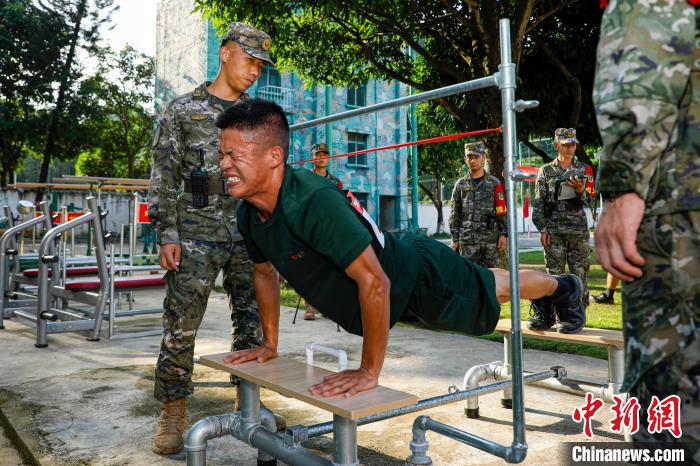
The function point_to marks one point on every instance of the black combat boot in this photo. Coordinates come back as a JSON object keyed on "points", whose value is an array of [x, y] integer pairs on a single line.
{"points": [[570, 312], [604, 298], [541, 314]]}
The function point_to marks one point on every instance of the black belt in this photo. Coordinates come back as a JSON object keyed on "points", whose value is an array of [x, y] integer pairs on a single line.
{"points": [[216, 186]]}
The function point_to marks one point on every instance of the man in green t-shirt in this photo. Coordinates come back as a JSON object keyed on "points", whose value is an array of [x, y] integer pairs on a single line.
{"points": [[328, 248]]}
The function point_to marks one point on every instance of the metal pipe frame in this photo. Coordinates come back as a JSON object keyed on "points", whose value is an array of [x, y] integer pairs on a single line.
{"points": [[8, 241], [514, 453], [45, 287], [252, 426]]}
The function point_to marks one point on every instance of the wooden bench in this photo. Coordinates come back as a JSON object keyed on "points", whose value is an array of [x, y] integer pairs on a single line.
{"points": [[293, 379], [611, 339]]}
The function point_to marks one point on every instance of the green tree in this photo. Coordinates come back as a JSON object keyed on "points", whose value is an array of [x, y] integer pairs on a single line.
{"points": [[120, 126], [441, 161], [344, 42], [30, 43], [84, 18]]}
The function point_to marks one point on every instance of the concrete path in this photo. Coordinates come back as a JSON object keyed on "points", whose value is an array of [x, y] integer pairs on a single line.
{"points": [[79, 402]]}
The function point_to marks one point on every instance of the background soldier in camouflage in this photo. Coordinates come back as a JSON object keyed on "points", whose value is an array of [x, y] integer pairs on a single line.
{"points": [[559, 216], [647, 97], [196, 243], [321, 164], [321, 169], [478, 218]]}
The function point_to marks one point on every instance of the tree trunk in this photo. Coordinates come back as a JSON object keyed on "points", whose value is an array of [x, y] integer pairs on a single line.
{"points": [[50, 147], [438, 206], [437, 202]]}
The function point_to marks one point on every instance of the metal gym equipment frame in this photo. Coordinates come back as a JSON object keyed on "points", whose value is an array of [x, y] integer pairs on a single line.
{"points": [[252, 429]]}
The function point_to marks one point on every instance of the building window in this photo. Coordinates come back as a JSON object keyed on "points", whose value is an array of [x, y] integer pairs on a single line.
{"points": [[269, 77], [356, 142], [357, 96], [362, 198]]}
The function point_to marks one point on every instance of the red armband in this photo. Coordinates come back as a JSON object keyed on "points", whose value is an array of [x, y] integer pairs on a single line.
{"points": [[589, 185], [499, 200]]}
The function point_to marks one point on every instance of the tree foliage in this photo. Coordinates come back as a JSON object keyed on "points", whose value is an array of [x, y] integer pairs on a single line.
{"points": [[84, 19], [344, 42], [30, 44], [118, 116]]}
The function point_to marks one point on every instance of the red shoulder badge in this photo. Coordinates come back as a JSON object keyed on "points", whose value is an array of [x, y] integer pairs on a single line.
{"points": [[695, 3], [499, 200], [590, 183]]}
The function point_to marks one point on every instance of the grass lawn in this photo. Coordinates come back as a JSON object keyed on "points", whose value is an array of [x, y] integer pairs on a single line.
{"points": [[598, 316]]}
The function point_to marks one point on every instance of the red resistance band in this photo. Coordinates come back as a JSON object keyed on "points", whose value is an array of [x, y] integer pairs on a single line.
{"points": [[406, 144]]}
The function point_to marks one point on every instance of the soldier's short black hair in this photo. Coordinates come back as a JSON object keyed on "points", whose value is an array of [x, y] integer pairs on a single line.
{"points": [[258, 114]]}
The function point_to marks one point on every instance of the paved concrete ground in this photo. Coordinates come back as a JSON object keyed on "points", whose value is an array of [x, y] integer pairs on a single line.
{"points": [[79, 402]]}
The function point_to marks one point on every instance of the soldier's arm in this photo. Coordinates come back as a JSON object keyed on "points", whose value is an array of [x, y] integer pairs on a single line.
{"points": [[267, 292], [456, 212], [166, 177], [652, 48], [537, 208]]}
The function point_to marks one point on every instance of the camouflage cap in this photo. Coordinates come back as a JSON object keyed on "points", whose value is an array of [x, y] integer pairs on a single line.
{"points": [[255, 42], [321, 147], [565, 135], [475, 148]]}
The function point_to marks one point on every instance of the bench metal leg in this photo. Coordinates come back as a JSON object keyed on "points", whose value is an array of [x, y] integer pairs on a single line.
{"points": [[507, 394], [345, 436], [616, 368]]}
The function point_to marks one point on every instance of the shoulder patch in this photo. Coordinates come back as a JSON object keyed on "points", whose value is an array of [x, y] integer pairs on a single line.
{"points": [[199, 117]]}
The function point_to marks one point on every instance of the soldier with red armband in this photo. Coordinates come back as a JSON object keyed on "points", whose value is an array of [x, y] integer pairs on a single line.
{"points": [[478, 219]]}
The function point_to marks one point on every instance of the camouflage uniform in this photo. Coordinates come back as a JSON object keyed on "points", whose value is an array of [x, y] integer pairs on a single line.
{"points": [[649, 125], [565, 221], [208, 235], [478, 217], [322, 147]]}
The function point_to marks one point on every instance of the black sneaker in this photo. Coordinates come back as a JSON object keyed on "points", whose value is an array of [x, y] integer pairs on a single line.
{"points": [[541, 314], [570, 312], [604, 298]]}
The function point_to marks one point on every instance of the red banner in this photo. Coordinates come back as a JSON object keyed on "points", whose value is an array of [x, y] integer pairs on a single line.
{"points": [[142, 209]]}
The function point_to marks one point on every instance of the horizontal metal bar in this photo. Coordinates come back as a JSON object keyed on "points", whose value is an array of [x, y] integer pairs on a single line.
{"points": [[29, 315], [465, 437], [327, 427], [446, 91], [69, 326], [138, 312], [149, 333]]}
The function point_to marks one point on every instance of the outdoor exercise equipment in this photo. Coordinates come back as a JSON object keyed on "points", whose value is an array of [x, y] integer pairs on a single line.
{"points": [[247, 425]]}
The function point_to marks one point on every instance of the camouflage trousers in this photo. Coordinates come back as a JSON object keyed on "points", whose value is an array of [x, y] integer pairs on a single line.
{"points": [[661, 313], [571, 249], [186, 296], [486, 254]]}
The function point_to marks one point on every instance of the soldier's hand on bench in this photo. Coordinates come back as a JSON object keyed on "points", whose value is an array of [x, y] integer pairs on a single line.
{"points": [[261, 354], [347, 383]]}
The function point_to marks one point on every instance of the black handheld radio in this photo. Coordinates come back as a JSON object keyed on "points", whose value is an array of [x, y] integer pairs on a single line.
{"points": [[199, 181]]}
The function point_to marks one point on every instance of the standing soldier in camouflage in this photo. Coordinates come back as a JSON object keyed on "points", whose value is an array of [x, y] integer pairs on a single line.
{"points": [[478, 218], [318, 151], [195, 221], [564, 188], [647, 99]]}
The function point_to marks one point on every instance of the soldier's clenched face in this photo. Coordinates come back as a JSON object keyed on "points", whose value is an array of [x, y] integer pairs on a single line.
{"points": [[247, 161], [240, 69]]}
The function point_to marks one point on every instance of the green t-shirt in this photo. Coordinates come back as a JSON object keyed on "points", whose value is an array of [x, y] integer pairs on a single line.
{"points": [[313, 235]]}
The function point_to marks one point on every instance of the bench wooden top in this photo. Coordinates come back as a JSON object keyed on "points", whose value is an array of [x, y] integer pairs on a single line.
{"points": [[293, 379], [591, 336]]}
